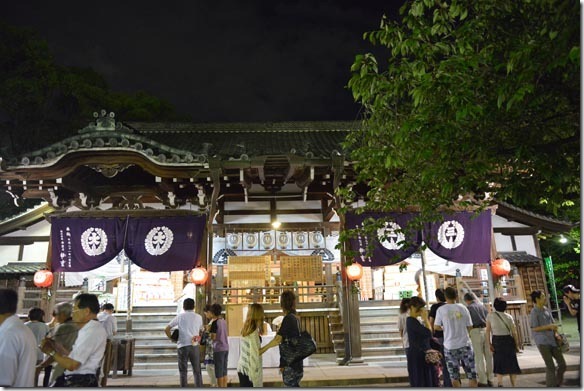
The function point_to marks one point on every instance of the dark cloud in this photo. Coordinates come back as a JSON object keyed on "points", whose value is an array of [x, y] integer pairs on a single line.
{"points": [[216, 60]]}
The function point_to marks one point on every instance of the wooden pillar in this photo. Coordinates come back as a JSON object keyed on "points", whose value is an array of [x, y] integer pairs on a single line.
{"points": [[328, 278], [21, 289], [351, 318], [215, 166]]}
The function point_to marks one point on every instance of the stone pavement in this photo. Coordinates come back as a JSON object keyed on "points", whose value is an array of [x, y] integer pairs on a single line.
{"points": [[324, 372]]}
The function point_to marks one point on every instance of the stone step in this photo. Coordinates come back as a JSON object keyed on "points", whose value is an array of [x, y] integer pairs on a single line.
{"points": [[153, 366], [398, 360], [378, 327], [158, 357], [154, 309], [168, 316]]}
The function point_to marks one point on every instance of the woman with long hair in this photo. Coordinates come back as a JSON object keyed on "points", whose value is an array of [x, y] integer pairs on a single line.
{"points": [[249, 366], [291, 375], [502, 336]]}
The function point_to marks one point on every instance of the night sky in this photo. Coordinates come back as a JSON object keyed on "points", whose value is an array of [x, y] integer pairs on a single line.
{"points": [[216, 61]]}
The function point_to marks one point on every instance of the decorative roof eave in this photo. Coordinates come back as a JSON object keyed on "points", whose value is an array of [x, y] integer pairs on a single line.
{"points": [[25, 218], [69, 162], [544, 223], [106, 141]]}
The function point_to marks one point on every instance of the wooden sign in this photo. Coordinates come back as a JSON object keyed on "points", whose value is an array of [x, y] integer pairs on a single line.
{"points": [[301, 268]]}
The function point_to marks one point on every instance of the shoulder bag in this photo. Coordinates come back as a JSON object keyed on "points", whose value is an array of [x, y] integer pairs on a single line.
{"points": [[510, 332], [562, 341], [432, 356], [294, 349]]}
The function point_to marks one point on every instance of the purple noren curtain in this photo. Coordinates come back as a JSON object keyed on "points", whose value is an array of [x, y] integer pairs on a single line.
{"points": [[462, 237], [166, 243], [82, 244], [153, 243], [388, 250]]}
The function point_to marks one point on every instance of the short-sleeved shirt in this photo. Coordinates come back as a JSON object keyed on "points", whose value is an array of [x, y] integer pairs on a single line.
{"points": [[432, 314], [189, 324], [501, 323], [221, 342], [108, 321], [290, 328], [541, 317], [17, 354], [40, 331], [88, 348], [401, 326], [478, 314], [454, 319]]}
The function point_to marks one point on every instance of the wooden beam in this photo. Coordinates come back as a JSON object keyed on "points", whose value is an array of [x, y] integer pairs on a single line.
{"points": [[17, 240], [246, 212], [517, 230], [327, 210], [220, 228]]}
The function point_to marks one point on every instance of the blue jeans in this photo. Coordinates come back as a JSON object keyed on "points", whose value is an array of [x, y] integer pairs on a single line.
{"points": [[186, 354]]}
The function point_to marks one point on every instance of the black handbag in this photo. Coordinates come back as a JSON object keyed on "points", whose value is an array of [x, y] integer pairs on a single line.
{"points": [[294, 349], [174, 335]]}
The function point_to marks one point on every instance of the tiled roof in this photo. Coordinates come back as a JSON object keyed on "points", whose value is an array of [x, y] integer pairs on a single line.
{"points": [[21, 268], [194, 143], [519, 257], [545, 223], [320, 139]]}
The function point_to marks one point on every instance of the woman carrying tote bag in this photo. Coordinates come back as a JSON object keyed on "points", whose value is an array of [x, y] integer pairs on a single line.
{"points": [[292, 374]]}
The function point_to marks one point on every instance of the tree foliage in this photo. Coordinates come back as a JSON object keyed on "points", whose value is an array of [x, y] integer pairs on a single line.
{"points": [[42, 102], [472, 97]]}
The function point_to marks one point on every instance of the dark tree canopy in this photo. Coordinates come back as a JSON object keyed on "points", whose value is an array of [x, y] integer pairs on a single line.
{"points": [[42, 102], [472, 97]]}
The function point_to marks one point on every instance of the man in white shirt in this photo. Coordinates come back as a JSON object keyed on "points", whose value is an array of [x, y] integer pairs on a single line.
{"points": [[108, 320], [84, 360], [456, 322], [18, 348], [189, 326]]}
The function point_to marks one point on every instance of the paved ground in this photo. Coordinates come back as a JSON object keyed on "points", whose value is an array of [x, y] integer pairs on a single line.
{"points": [[323, 372], [533, 380]]}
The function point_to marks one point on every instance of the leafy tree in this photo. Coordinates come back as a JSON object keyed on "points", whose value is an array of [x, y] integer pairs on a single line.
{"points": [[473, 97], [42, 102]]}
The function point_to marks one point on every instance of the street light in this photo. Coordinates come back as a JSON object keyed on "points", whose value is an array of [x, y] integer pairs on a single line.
{"points": [[563, 239]]}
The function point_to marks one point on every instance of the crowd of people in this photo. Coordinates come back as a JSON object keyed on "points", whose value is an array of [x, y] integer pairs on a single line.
{"points": [[70, 348], [484, 343]]}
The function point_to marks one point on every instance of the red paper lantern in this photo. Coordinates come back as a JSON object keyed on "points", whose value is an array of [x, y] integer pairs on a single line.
{"points": [[500, 267], [43, 278], [355, 271], [199, 275]]}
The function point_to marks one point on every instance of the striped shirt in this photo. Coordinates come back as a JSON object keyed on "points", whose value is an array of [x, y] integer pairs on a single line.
{"points": [[250, 361]]}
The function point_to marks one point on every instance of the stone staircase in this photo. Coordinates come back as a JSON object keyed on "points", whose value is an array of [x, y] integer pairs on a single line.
{"points": [[152, 349], [380, 340]]}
